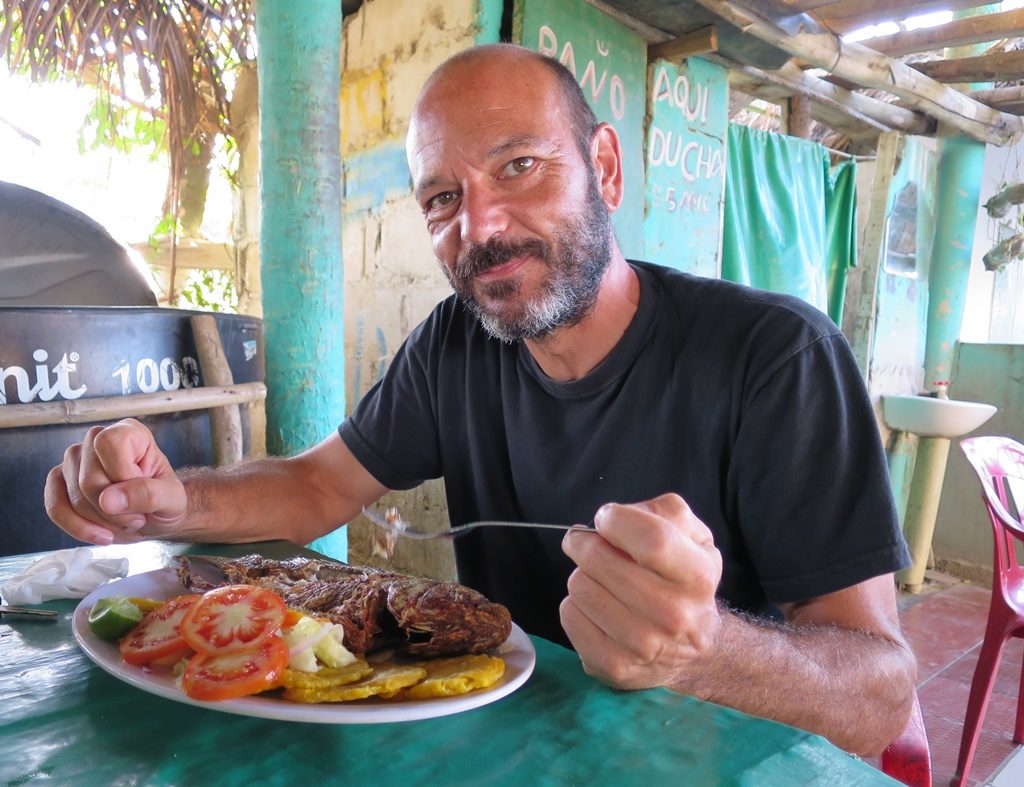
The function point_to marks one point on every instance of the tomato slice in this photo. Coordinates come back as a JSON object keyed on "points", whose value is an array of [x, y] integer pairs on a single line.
{"points": [[157, 636], [232, 618], [227, 676]]}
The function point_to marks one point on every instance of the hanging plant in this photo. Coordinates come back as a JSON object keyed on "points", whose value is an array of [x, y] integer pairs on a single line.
{"points": [[1008, 249]]}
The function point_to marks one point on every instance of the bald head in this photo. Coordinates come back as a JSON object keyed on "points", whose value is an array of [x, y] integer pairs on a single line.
{"points": [[512, 62], [516, 182]]}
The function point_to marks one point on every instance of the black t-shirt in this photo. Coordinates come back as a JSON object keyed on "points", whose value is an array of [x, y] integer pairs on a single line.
{"points": [[746, 403]]}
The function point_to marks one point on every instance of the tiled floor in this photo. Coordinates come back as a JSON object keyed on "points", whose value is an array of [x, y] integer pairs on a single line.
{"points": [[945, 626]]}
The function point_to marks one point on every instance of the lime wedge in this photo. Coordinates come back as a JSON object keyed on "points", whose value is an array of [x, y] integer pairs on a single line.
{"points": [[146, 604], [112, 617]]}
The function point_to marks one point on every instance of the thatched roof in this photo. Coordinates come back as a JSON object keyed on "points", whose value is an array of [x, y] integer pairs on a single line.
{"points": [[165, 56]]}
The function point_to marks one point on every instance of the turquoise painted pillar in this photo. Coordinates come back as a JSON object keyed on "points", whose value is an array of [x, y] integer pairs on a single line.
{"points": [[488, 21], [958, 187], [299, 69], [958, 192]]}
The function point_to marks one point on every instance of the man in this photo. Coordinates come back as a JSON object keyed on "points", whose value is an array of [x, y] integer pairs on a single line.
{"points": [[758, 570]]}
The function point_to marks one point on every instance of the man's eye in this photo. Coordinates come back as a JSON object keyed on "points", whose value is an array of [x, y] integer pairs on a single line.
{"points": [[442, 200], [519, 165]]}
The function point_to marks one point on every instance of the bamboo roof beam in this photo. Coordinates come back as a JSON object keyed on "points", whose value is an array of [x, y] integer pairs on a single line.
{"points": [[744, 88], [961, 32], [698, 42], [1005, 99], [880, 115], [847, 15], [805, 5], [867, 68], [996, 67]]}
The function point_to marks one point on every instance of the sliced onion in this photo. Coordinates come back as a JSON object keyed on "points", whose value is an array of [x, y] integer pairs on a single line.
{"points": [[310, 642]]}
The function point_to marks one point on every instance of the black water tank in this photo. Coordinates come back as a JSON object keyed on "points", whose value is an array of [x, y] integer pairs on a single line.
{"points": [[54, 255], [50, 354]]}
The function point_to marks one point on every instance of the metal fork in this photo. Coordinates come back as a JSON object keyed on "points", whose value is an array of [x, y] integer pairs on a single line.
{"points": [[28, 613], [396, 526]]}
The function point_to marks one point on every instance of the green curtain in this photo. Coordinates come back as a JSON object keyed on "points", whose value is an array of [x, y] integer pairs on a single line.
{"points": [[790, 219]]}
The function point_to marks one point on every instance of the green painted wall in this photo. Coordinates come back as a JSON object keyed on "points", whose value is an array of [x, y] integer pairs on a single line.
{"points": [[688, 118], [992, 373]]}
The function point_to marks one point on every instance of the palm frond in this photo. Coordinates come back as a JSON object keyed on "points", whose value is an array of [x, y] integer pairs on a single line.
{"points": [[167, 55]]}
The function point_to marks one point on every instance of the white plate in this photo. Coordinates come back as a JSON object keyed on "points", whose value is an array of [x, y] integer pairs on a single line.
{"points": [[518, 653]]}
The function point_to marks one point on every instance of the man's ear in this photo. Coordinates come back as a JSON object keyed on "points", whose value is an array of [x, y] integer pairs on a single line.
{"points": [[606, 159]]}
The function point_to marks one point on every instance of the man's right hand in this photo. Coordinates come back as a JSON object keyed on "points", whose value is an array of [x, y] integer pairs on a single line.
{"points": [[116, 486]]}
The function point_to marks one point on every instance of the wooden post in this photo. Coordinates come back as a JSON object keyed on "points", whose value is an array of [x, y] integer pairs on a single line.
{"points": [[226, 421], [798, 117], [862, 280]]}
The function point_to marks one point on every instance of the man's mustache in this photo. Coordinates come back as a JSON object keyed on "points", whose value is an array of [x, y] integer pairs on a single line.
{"points": [[483, 256]]}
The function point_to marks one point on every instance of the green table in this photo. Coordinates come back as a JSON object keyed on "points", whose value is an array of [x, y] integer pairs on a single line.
{"points": [[65, 721]]}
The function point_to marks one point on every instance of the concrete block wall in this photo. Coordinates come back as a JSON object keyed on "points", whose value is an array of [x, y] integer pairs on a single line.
{"points": [[392, 279]]}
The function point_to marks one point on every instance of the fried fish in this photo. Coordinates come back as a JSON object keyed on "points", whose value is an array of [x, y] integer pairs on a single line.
{"points": [[377, 608]]}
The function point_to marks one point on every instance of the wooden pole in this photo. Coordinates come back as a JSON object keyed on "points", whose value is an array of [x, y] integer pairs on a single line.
{"points": [[226, 421], [995, 67], [847, 15], [798, 117], [111, 408], [867, 68], [1005, 99], [878, 114], [862, 279], [698, 42], [973, 30]]}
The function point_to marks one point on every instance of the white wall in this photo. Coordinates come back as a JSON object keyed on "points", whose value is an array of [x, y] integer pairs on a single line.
{"points": [[982, 323]]}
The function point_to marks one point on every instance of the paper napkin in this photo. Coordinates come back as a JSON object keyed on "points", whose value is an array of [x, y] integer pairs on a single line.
{"points": [[67, 573]]}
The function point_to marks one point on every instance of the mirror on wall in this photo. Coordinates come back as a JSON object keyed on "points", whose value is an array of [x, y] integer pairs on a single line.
{"points": [[900, 250]]}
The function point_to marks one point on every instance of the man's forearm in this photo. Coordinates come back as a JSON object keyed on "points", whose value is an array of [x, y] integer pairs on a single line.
{"points": [[852, 687], [257, 500]]}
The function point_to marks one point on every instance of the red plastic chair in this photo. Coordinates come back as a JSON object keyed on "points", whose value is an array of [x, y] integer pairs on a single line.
{"points": [[908, 758], [999, 463]]}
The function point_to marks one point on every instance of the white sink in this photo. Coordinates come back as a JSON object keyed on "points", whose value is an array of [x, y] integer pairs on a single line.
{"points": [[930, 417]]}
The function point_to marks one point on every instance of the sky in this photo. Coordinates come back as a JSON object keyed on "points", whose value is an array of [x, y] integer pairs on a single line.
{"points": [[122, 192], [916, 22]]}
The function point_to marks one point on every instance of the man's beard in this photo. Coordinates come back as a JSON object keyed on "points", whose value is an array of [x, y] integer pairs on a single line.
{"points": [[576, 260]]}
